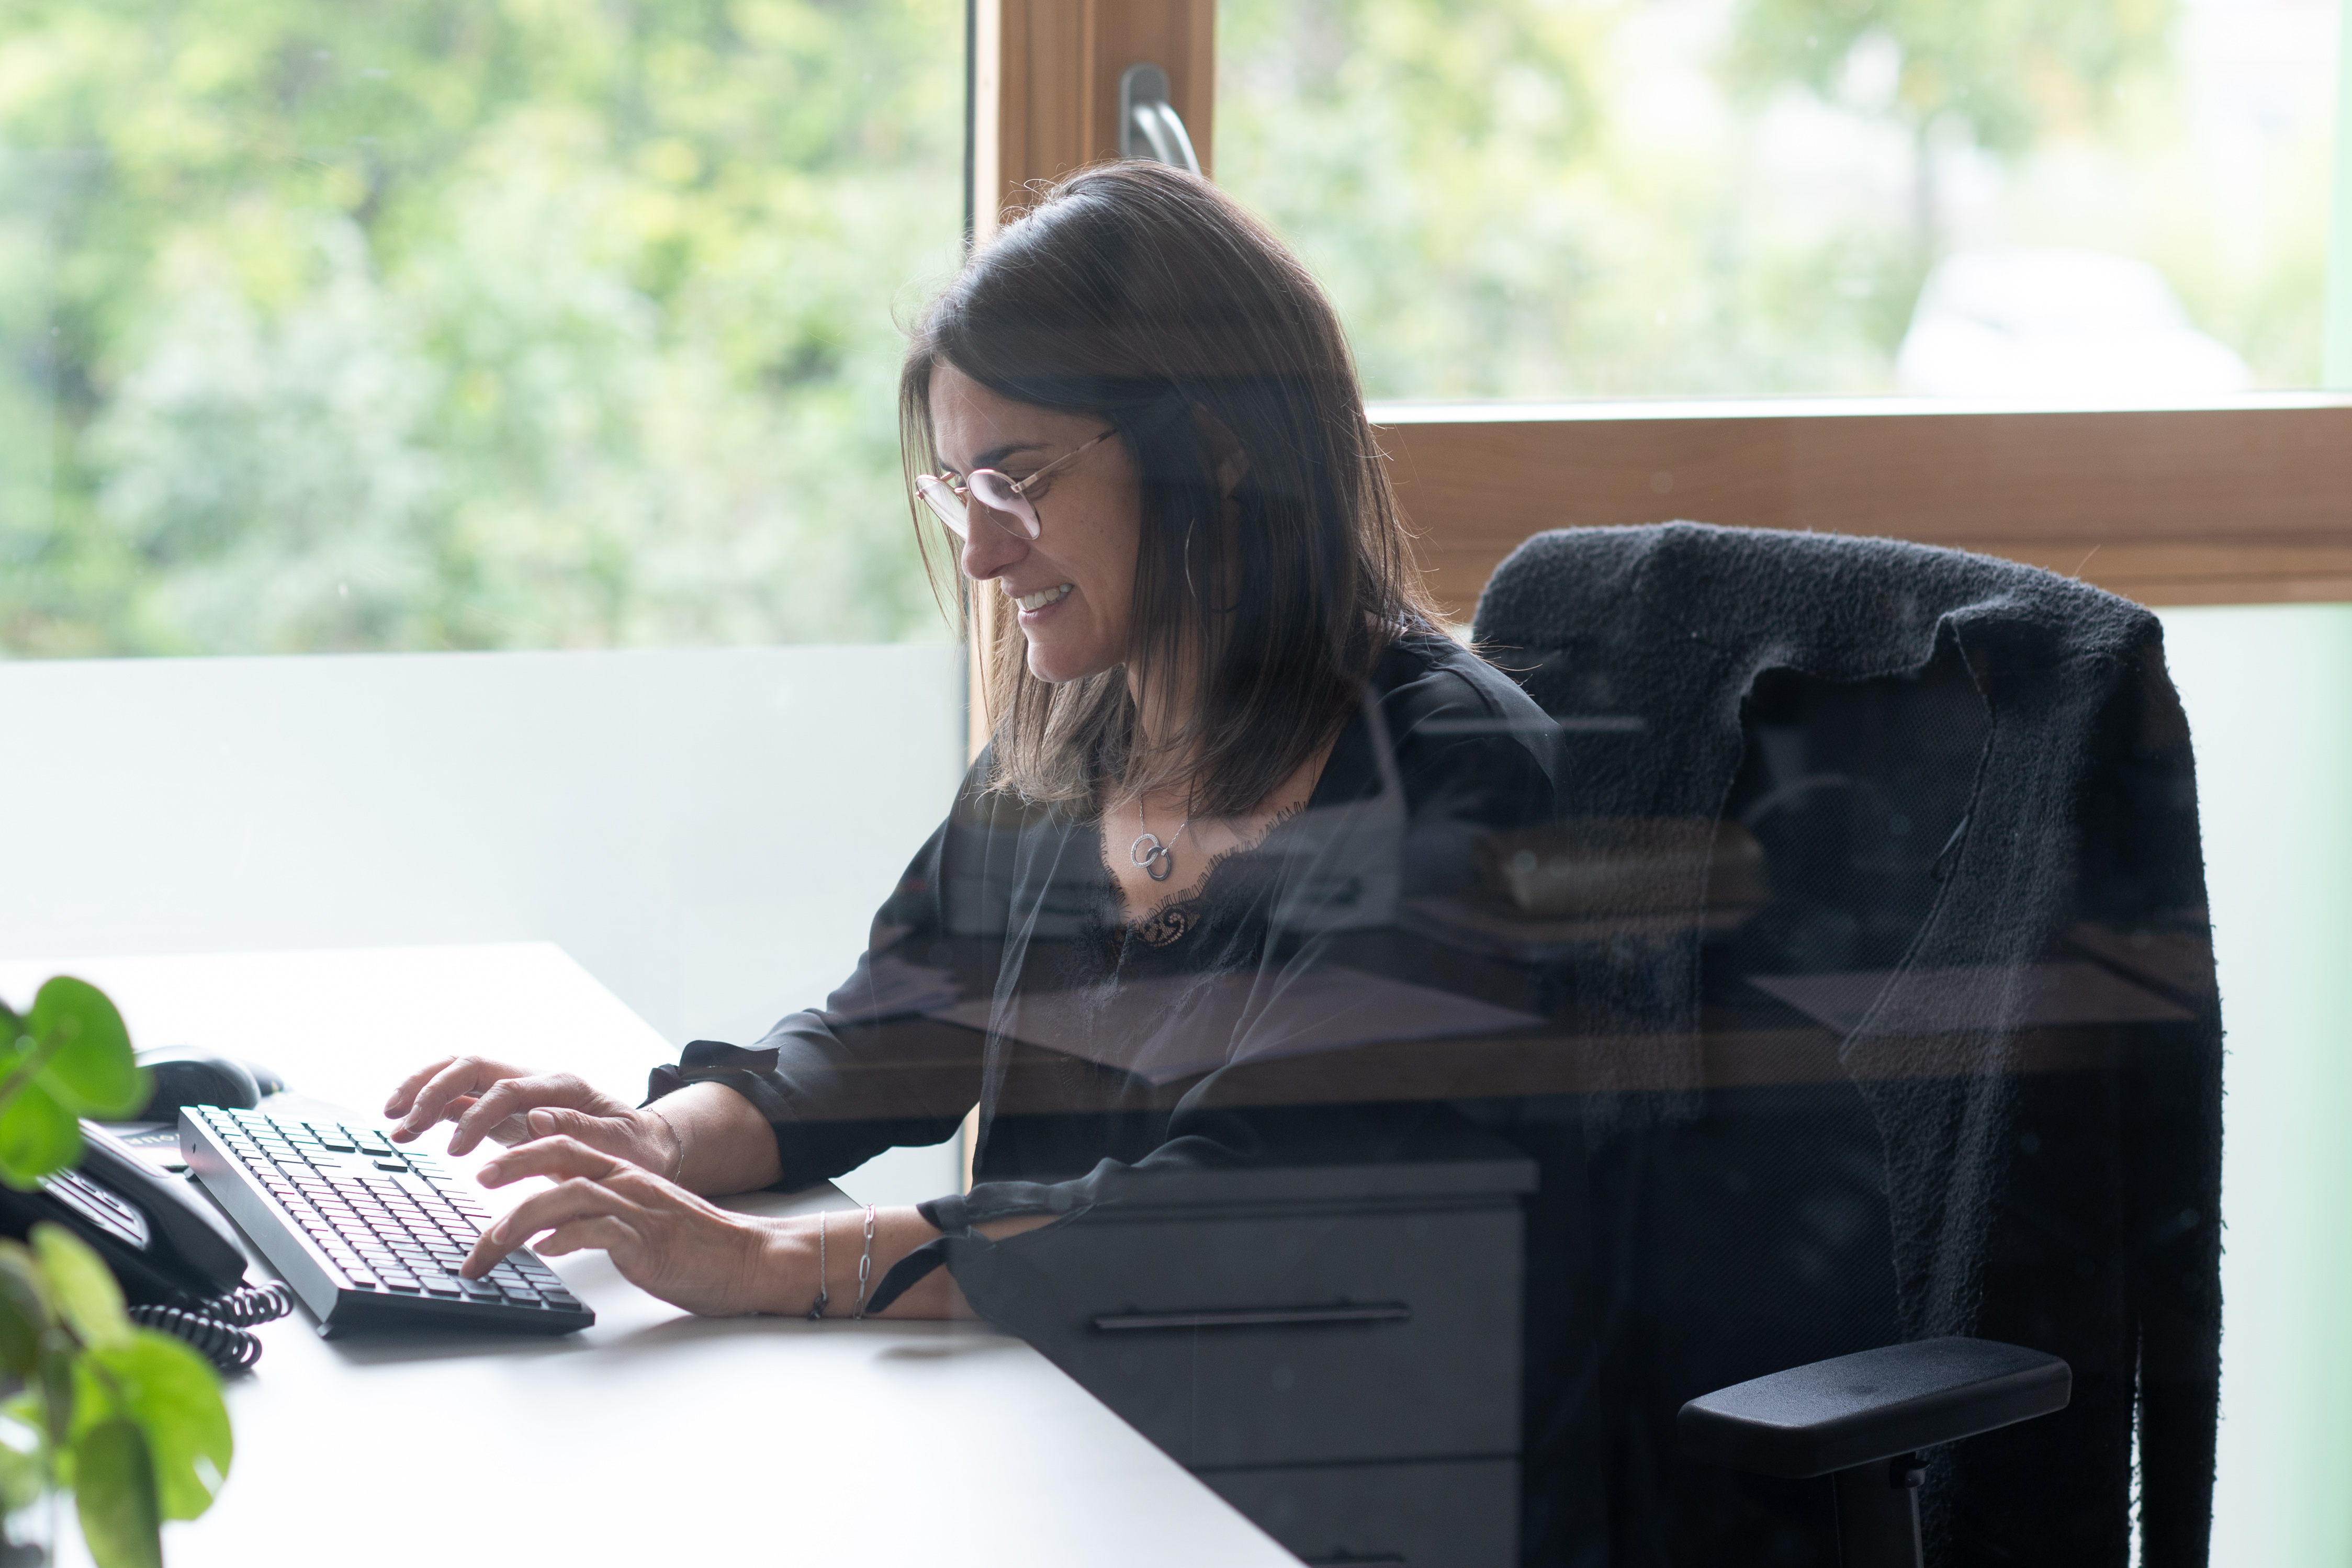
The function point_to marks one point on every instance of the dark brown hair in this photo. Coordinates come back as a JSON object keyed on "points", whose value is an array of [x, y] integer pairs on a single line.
{"points": [[1146, 297]]}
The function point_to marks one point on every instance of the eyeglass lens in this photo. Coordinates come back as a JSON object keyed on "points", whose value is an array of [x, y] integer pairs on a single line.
{"points": [[992, 490]]}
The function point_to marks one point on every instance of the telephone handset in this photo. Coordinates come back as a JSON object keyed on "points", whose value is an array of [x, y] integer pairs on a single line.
{"points": [[177, 1260]]}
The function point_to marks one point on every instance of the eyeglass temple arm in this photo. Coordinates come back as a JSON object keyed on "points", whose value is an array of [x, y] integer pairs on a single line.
{"points": [[1021, 486]]}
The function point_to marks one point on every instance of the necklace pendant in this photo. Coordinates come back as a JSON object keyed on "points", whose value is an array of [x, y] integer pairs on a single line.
{"points": [[1158, 859]]}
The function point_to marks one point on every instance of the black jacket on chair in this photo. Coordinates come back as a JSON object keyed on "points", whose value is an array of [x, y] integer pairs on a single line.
{"points": [[2026, 1060]]}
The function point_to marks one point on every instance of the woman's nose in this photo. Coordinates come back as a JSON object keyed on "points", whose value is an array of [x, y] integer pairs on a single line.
{"points": [[988, 548]]}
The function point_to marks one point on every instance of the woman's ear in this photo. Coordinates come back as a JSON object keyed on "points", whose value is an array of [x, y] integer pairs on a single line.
{"points": [[1224, 450]]}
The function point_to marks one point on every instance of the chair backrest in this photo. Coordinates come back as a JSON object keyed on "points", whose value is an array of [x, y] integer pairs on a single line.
{"points": [[1941, 1052]]}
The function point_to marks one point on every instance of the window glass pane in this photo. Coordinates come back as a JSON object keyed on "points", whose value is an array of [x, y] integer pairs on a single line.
{"points": [[1580, 198], [463, 326]]}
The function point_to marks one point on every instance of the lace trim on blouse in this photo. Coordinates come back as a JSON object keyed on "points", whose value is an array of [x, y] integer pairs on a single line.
{"points": [[1164, 924]]}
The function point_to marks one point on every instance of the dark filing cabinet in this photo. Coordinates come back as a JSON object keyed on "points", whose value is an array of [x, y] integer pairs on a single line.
{"points": [[1335, 1349]]}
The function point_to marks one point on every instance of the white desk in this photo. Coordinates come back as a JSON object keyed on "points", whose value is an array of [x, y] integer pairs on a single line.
{"points": [[654, 1436]]}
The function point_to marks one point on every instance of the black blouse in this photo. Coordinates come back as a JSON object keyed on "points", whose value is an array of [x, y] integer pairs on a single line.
{"points": [[1001, 972]]}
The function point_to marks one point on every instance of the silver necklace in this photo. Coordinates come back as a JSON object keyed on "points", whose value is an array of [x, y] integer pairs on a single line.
{"points": [[1157, 860]]}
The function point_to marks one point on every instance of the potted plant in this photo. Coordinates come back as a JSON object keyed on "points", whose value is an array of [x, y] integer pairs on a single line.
{"points": [[128, 1420]]}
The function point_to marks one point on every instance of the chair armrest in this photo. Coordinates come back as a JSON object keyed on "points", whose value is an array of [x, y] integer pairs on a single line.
{"points": [[1873, 1405]]}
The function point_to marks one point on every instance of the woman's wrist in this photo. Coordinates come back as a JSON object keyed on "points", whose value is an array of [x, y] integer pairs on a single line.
{"points": [[790, 1261], [724, 1145], [792, 1268]]}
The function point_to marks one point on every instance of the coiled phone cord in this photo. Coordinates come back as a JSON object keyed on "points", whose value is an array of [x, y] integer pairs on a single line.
{"points": [[250, 1304], [216, 1327]]}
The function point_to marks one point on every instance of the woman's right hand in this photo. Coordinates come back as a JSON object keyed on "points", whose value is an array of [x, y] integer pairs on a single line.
{"points": [[513, 1105]]}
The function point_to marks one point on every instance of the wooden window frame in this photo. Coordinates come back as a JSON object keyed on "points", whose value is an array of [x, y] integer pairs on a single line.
{"points": [[2245, 503]]}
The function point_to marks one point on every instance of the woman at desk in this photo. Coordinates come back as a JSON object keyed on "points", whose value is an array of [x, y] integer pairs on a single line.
{"points": [[1232, 746]]}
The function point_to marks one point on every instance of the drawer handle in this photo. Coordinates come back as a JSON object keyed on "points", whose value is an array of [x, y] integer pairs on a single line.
{"points": [[1252, 1317]]}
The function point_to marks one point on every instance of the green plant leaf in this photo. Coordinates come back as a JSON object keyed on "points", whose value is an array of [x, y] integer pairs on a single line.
{"points": [[114, 1492], [24, 1308], [54, 1380], [21, 1477], [90, 1071], [23, 1473], [38, 1136], [174, 1395], [82, 1286], [23, 1453]]}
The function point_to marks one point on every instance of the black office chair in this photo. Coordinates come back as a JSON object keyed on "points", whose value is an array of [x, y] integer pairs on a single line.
{"points": [[1925, 1140]]}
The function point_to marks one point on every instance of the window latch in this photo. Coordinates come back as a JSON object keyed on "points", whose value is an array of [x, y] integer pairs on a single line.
{"points": [[1148, 125]]}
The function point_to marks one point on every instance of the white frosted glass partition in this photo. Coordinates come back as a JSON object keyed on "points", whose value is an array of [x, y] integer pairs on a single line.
{"points": [[2269, 696], [707, 832]]}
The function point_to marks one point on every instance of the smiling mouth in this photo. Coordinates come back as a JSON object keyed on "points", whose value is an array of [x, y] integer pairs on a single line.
{"points": [[1042, 598]]}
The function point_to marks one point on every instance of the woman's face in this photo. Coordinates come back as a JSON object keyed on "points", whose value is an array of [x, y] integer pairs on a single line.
{"points": [[1071, 586]]}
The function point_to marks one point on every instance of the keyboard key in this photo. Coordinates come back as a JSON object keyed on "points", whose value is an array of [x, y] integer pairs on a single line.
{"points": [[442, 1286]]}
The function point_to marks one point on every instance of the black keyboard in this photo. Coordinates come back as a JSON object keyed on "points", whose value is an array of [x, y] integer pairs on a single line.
{"points": [[368, 1234]]}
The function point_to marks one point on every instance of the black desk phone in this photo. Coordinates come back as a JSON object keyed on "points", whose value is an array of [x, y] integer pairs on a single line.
{"points": [[177, 1260]]}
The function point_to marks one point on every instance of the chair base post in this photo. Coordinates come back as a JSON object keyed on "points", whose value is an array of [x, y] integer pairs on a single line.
{"points": [[1878, 1513]]}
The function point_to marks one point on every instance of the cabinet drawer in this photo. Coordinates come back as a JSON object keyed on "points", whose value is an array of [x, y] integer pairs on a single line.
{"points": [[1289, 1338], [1462, 1514]]}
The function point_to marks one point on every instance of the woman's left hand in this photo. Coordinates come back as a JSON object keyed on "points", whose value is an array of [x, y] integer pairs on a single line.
{"points": [[663, 1238]]}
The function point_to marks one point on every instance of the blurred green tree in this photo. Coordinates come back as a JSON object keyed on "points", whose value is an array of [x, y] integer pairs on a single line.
{"points": [[1612, 198], [2002, 75], [486, 324]]}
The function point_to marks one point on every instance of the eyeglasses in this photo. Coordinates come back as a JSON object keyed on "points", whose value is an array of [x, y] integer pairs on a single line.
{"points": [[950, 501]]}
